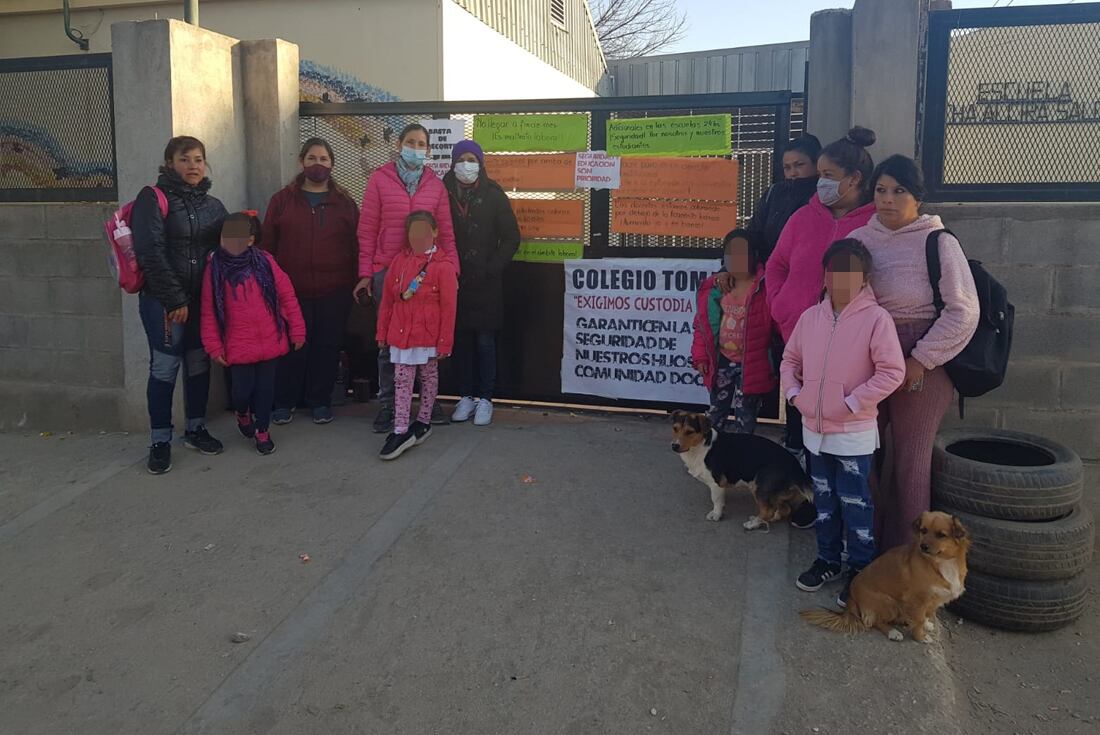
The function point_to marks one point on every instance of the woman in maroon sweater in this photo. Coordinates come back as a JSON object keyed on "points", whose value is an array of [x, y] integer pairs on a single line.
{"points": [[310, 229]]}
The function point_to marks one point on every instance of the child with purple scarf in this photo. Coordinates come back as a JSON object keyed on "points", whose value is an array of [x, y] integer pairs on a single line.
{"points": [[250, 318]]}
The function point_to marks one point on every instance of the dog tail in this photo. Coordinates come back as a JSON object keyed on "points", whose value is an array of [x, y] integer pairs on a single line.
{"points": [[836, 621]]}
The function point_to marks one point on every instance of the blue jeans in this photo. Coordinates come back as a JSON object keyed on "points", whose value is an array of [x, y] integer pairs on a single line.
{"points": [[170, 347], [254, 390], [843, 499], [476, 349]]}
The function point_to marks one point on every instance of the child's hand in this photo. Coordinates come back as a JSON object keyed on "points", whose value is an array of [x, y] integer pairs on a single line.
{"points": [[297, 345], [725, 282], [381, 344], [220, 359], [701, 367], [440, 358]]}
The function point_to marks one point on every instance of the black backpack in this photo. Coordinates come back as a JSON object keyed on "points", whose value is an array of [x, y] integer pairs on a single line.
{"points": [[982, 364]]}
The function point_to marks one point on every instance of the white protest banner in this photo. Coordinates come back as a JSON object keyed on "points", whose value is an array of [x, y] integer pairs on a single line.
{"points": [[442, 136], [628, 328], [597, 170]]}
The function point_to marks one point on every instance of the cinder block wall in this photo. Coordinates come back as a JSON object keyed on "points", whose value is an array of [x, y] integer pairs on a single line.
{"points": [[1048, 256], [60, 319]]}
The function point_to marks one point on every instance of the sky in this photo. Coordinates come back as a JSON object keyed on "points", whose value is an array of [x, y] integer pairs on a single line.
{"points": [[727, 23]]}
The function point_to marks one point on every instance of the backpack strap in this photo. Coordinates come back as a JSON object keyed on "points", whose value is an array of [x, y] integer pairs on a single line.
{"points": [[162, 200], [932, 257]]}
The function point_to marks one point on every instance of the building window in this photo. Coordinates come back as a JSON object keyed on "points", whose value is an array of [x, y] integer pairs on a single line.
{"points": [[557, 12]]}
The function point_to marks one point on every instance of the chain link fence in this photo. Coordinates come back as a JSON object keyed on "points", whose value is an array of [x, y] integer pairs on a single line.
{"points": [[1013, 104], [57, 136]]}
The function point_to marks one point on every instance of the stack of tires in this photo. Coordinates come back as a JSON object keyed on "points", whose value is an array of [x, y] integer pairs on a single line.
{"points": [[1020, 497]]}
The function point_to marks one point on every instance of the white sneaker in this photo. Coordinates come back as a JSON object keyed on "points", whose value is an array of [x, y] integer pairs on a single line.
{"points": [[484, 414], [464, 410]]}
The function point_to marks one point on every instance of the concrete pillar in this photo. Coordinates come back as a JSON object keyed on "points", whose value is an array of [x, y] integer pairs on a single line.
{"points": [[886, 40], [270, 76], [829, 95], [176, 79]]}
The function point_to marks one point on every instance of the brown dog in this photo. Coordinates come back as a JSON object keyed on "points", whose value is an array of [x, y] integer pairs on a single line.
{"points": [[907, 584]]}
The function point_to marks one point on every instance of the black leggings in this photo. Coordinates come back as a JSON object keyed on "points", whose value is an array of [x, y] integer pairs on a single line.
{"points": [[254, 390]]}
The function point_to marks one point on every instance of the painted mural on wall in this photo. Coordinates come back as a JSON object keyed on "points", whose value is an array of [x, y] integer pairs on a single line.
{"points": [[362, 144], [32, 158]]}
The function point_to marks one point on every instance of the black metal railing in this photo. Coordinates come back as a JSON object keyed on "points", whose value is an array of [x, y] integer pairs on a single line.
{"points": [[57, 130], [1012, 104]]}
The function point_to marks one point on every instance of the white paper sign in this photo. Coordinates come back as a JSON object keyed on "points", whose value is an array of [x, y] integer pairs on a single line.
{"points": [[442, 136], [628, 328], [597, 170]]}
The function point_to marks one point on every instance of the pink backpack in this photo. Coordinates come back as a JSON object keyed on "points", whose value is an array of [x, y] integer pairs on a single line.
{"points": [[121, 239]]}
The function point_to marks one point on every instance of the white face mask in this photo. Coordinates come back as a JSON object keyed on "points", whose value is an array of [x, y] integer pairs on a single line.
{"points": [[828, 191], [466, 171]]}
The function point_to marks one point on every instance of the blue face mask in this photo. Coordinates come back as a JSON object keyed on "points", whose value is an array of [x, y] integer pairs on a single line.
{"points": [[413, 157]]}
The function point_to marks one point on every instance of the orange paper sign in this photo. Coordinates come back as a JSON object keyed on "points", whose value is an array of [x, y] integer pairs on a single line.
{"points": [[542, 218], [550, 172], [685, 219], [679, 178]]}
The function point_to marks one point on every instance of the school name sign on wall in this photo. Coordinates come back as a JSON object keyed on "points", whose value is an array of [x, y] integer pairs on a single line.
{"points": [[628, 328]]}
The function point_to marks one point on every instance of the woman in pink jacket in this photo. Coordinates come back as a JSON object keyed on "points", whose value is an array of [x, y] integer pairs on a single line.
{"points": [[250, 318], [897, 236], [794, 274], [842, 360], [393, 192]]}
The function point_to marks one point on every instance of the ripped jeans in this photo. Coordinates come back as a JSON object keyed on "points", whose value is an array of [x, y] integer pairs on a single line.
{"points": [[170, 347], [842, 496]]}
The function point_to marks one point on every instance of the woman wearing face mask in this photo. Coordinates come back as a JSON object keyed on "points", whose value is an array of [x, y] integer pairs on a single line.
{"points": [[309, 227], [794, 272], [487, 235], [789, 195], [393, 192], [896, 237]]}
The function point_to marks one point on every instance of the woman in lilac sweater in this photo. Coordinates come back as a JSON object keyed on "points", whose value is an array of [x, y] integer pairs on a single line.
{"points": [[896, 238]]}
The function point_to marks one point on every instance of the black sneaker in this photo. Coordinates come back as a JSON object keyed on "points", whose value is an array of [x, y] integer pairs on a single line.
{"points": [[817, 575], [804, 516], [842, 597], [383, 422], [264, 445], [396, 444], [160, 458], [438, 417], [201, 440], [420, 431]]}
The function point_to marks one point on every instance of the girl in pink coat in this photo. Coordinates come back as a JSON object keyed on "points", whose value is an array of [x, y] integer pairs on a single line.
{"points": [[841, 361], [250, 318], [393, 192]]}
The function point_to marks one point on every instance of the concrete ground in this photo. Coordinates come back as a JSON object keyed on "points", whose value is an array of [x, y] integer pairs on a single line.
{"points": [[550, 574]]}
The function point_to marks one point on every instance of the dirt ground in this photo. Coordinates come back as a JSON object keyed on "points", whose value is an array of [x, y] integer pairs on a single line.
{"points": [[549, 574]]}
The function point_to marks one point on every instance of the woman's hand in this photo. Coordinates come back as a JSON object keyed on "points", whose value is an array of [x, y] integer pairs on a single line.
{"points": [[365, 288], [178, 316], [297, 345], [914, 375], [220, 359], [725, 282]]}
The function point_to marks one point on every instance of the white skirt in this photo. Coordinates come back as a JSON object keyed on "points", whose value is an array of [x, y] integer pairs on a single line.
{"points": [[411, 355]]}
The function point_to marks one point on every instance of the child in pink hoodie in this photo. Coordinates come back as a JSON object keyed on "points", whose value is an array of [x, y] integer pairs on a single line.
{"points": [[842, 359], [250, 318]]}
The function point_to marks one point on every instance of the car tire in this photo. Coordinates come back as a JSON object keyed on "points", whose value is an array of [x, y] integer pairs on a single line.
{"points": [[1021, 605]]}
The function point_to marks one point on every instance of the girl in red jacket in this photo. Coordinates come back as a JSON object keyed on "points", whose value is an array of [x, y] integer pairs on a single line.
{"points": [[416, 321], [250, 318], [734, 333]]}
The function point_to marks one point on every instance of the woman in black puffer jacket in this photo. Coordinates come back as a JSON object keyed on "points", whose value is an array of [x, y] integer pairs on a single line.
{"points": [[172, 252], [786, 197]]}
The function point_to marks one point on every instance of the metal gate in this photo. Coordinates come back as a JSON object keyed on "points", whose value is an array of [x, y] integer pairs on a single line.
{"points": [[363, 136]]}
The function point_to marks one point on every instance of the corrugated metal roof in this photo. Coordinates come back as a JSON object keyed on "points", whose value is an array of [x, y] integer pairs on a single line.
{"points": [[748, 69]]}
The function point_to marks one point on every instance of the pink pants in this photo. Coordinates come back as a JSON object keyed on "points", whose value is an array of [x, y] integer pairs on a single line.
{"points": [[403, 378], [914, 420]]}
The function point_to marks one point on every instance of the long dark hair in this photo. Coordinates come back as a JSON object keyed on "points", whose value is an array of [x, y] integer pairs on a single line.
{"points": [[228, 271], [903, 170], [850, 153]]}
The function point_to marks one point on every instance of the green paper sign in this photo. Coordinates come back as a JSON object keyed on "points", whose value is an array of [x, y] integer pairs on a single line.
{"points": [[531, 133], [548, 252], [690, 135]]}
